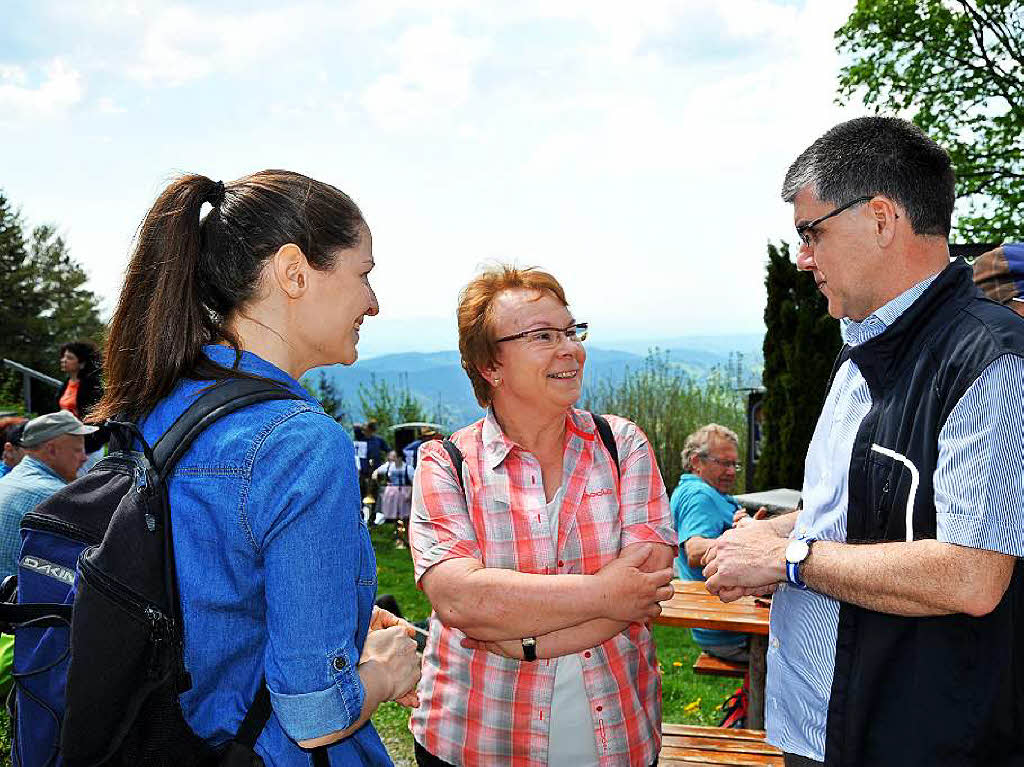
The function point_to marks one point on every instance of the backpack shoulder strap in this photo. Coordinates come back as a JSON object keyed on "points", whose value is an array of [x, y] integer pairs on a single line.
{"points": [[604, 430], [256, 717], [216, 402], [457, 460]]}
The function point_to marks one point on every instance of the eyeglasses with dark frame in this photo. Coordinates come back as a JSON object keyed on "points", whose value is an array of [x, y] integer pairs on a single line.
{"points": [[550, 336], [803, 231], [734, 465]]}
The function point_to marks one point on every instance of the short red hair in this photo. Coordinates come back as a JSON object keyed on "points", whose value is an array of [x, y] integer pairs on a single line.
{"points": [[476, 316]]}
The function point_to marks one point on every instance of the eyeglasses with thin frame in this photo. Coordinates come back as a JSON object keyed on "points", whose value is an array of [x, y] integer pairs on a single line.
{"points": [[804, 230], [543, 338], [734, 465]]}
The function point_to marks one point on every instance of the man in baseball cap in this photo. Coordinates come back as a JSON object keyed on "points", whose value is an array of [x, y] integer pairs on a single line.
{"points": [[1000, 275], [54, 446]]}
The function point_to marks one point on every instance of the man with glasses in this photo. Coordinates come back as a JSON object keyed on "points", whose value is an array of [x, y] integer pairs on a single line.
{"points": [[897, 628], [703, 510]]}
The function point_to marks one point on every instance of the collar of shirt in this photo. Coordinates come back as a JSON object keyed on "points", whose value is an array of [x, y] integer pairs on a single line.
{"points": [[250, 363], [30, 467], [857, 333], [497, 446], [691, 478]]}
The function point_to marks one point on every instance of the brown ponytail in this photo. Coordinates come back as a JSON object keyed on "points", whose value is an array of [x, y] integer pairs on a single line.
{"points": [[186, 276]]}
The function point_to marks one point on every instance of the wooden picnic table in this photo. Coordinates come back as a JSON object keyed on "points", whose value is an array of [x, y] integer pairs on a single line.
{"points": [[693, 607]]}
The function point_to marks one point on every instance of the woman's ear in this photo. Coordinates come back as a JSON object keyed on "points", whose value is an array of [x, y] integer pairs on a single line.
{"points": [[290, 270], [491, 373]]}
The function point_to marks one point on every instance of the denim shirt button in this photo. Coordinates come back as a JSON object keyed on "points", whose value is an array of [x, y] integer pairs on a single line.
{"points": [[340, 663]]}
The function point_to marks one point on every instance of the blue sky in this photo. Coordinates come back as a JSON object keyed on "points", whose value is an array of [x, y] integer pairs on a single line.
{"points": [[635, 150]]}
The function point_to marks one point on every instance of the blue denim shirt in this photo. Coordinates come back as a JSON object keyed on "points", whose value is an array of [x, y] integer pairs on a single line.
{"points": [[276, 571]]}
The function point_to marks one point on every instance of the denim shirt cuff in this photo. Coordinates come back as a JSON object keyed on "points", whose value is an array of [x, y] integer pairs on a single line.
{"points": [[308, 715]]}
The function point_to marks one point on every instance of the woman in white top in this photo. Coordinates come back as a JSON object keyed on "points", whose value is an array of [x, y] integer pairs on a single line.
{"points": [[396, 499]]}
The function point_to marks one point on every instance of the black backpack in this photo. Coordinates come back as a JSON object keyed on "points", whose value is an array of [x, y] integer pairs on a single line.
{"points": [[98, 650]]}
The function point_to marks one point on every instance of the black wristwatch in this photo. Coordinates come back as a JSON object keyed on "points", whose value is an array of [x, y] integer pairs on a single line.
{"points": [[530, 649]]}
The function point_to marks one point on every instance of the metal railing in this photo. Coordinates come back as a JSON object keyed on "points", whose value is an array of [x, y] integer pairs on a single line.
{"points": [[27, 374]]}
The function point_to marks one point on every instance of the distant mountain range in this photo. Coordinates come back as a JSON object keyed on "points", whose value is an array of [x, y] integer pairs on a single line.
{"points": [[439, 382]]}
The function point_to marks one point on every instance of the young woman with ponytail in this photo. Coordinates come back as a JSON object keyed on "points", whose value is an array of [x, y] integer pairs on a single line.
{"points": [[275, 568]]}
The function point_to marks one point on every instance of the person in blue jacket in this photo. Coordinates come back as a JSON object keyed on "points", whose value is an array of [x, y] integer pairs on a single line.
{"points": [[703, 510], [275, 567]]}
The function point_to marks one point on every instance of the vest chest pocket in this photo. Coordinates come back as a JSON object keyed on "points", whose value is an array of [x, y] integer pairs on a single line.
{"points": [[892, 489]]}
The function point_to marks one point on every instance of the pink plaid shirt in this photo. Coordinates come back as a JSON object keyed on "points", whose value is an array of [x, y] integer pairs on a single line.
{"points": [[478, 708]]}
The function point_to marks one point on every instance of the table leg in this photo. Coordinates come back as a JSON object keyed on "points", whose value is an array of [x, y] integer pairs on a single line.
{"points": [[755, 701]]}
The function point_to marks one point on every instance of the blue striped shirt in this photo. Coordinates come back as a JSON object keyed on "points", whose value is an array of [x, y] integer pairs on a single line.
{"points": [[979, 502], [26, 486]]}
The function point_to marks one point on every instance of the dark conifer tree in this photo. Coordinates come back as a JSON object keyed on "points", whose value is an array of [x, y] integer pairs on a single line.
{"points": [[800, 345], [43, 303]]}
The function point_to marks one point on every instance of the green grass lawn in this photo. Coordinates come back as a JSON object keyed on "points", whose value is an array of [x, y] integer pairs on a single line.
{"points": [[686, 697]]}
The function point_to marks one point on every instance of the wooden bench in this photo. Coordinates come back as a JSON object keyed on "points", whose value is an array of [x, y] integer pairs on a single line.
{"points": [[709, 665], [685, 745]]}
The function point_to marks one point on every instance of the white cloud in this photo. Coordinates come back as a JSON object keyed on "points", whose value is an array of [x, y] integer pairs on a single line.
{"points": [[108, 106], [638, 146], [60, 89], [432, 77], [180, 44]]}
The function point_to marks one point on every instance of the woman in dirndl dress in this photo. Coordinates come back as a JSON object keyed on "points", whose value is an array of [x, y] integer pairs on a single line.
{"points": [[396, 499]]}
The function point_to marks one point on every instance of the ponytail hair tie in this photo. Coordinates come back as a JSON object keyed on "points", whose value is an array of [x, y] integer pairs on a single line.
{"points": [[216, 196]]}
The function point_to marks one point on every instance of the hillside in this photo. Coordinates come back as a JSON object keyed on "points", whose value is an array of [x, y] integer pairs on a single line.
{"points": [[438, 380]]}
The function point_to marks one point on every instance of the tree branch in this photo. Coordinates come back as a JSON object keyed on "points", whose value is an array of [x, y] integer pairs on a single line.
{"points": [[1002, 34], [978, 26]]}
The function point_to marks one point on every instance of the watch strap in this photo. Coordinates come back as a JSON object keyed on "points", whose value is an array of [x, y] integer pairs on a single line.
{"points": [[793, 568], [793, 576]]}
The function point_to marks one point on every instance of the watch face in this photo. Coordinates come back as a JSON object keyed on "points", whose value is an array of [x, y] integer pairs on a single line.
{"points": [[797, 551]]}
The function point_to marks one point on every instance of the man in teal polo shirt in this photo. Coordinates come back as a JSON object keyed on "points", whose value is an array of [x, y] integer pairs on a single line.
{"points": [[703, 510]]}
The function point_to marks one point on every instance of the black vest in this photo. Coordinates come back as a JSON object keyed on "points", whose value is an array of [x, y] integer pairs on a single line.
{"points": [[934, 691]]}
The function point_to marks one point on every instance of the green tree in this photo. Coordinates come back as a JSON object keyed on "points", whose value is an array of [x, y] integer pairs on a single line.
{"points": [[800, 345], [389, 404], [331, 399], [956, 67], [669, 405], [71, 311], [43, 303], [21, 305]]}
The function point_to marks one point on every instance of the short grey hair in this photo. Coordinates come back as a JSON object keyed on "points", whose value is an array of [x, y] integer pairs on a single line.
{"points": [[699, 442], [879, 156]]}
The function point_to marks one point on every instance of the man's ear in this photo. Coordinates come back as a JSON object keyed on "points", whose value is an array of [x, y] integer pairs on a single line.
{"points": [[885, 215], [289, 269]]}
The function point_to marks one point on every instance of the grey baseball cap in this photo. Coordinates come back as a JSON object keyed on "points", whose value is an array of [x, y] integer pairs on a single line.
{"points": [[53, 425]]}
